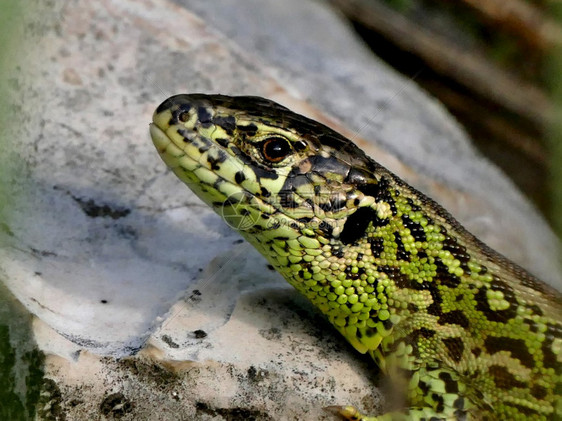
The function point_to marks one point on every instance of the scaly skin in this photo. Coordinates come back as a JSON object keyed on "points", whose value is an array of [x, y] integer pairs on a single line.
{"points": [[467, 333]]}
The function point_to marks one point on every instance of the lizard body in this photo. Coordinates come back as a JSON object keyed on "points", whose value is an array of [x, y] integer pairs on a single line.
{"points": [[467, 333]]}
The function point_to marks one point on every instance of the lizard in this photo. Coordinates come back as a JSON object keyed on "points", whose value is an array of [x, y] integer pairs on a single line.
{"points": [[466, 333]]}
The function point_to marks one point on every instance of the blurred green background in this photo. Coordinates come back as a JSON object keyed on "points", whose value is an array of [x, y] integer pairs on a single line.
{"points": [[21, 364]]}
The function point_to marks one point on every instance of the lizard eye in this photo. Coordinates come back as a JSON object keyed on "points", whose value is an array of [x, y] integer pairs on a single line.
{"points": [[274, 149]]}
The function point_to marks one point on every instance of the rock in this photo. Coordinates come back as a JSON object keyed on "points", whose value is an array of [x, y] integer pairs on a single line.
{"points": [[147, 305]]}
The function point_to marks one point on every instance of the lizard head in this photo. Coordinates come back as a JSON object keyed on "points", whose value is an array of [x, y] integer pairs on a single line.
{"points": [[261, 166]]}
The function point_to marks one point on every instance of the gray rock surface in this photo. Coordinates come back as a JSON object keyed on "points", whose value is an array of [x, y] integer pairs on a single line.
{"points": [[104, 242]]}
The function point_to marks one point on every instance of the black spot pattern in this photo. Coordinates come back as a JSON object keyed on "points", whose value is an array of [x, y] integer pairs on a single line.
{"points": [[549, 357], [535, 309], [454, 317], [377, 246], [503, 379], [264, 173], [533, 327], [356, 225], [443, 275], [435, 307], [538, 391], [239, 177], [416, 230], [424, 387], [228, 123], [455, 348], [351, 275], [401, 253], [457, 251], [459, 404], [401, 280], [440, 405], [497, 315], [516, 347], [214, 161], [249, 130], [423, 333], [451, 386], [522, 409], [204, 116], [413, 206], [222, 142], [294, 181], [422, 255]]}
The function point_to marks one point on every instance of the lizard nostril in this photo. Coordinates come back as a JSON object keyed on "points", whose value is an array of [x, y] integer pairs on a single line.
{"points": [[183, 116]]}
